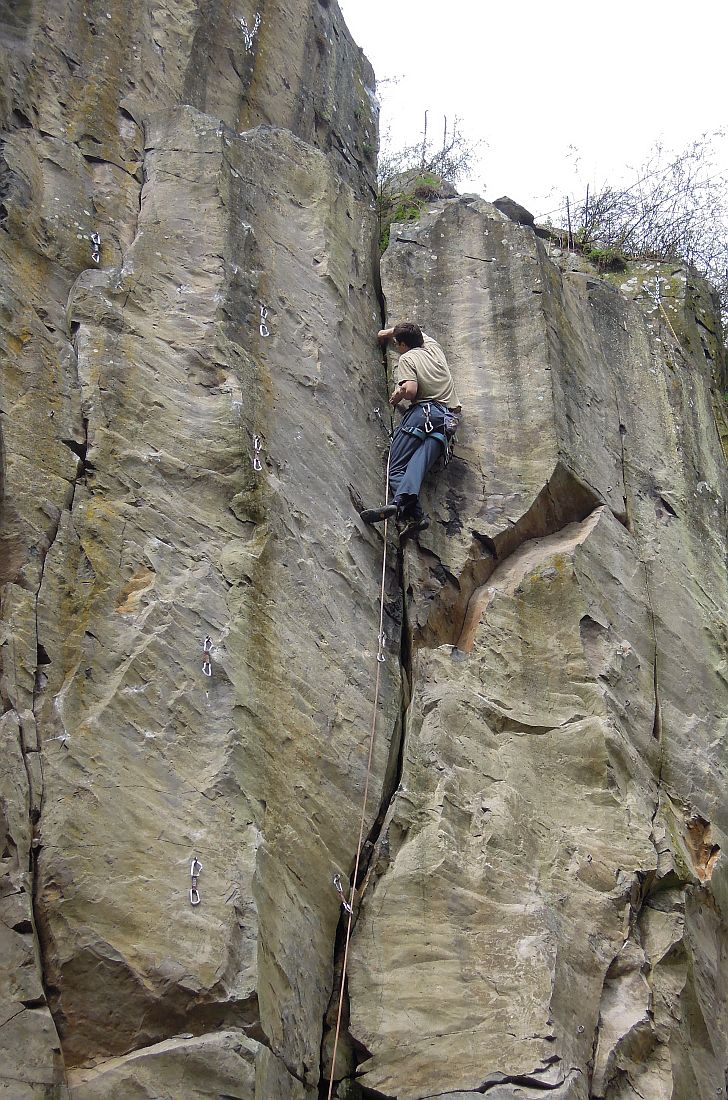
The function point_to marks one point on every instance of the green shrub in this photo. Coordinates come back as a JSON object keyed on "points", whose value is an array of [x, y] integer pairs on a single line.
{"points": [[607, 259]]}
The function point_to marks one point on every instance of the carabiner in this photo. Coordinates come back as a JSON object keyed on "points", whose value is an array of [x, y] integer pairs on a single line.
{"points": [[257, 464], [340, 891], [207, 667], [195, 868], [194, 896]]}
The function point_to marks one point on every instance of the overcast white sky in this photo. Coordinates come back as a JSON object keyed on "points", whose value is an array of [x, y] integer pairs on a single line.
{"points": [[533, 79]]}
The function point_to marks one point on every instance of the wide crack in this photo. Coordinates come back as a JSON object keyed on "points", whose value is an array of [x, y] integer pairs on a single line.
{"points": [[375, 843], [455, 611]]}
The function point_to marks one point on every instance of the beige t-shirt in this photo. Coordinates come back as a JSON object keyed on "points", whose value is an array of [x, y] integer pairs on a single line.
{"points": [[427, 366]]}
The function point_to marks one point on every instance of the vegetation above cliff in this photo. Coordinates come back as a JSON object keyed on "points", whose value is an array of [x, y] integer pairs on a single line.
{"points": [[410, 176], [676, 209]]}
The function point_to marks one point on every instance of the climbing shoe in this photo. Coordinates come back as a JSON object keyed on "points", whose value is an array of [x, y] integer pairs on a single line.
{"points": [[376, 515], [420, 523]]}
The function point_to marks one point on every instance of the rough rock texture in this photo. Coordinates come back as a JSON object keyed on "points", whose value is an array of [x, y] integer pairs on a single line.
{"points": [[549, 906], [190, 605], [233, 305]]}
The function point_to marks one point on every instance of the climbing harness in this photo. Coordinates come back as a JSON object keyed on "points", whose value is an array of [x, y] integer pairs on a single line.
{"points": [[340, 891], [446, 438], [264, 330], [195, 869], [96, 250], [257, 448], [355, 876], [206, 655], [422, 433]]}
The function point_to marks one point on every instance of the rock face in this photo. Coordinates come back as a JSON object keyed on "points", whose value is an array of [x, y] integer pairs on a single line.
{"points": [[190, 606], [549, 907], [227, 325]]}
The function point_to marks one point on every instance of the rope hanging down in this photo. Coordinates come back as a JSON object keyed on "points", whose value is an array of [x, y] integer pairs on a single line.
{"points": [[354, 877]]}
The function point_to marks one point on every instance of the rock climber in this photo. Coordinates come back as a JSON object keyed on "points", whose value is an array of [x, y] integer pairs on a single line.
{"points": [[424, 380]]}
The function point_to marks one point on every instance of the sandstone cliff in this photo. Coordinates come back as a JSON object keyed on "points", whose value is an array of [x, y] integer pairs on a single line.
{"points": [[190, 605]]}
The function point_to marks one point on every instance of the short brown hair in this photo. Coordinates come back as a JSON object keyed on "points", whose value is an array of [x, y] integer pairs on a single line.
{"points": [[408, 334]]}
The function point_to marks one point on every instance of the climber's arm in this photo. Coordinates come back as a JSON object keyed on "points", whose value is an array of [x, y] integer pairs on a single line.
{"points": [[405, 391]]}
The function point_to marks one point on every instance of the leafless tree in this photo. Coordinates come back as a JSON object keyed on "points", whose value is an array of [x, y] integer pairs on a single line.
{"points": [[676, 209]]}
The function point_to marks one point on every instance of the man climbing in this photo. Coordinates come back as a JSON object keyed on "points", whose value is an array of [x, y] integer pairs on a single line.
{"points": [[424, 379]]}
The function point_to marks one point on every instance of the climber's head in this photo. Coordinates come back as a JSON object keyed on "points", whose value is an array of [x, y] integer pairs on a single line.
{"points": [[408, 334]]}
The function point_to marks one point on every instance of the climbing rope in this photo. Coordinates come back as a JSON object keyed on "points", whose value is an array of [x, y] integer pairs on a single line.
{"points": [[350, 906], [656, 296]]}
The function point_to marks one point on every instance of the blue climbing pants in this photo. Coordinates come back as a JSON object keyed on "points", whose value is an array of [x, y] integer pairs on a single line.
{"points": [[411, 456]]}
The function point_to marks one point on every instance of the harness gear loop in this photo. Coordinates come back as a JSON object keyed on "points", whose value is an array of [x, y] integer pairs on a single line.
{"points": [[355, 876]]}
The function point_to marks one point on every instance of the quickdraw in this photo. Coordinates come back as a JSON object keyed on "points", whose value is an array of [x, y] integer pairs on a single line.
{"points": [[264, 330], [338, 886], [382, 642], [257, 448], [250, 33], [96, 250], [195, 869], [428, 425], [206, 655], [378, 414]]}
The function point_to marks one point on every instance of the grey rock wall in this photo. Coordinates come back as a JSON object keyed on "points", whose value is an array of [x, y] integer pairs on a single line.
{"points": [[542, 889], [550, 898], [232, 302]]}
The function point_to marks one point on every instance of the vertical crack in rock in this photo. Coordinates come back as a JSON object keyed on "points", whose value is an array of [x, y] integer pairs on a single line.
{"points": [[622, 459], [374, 852]]}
